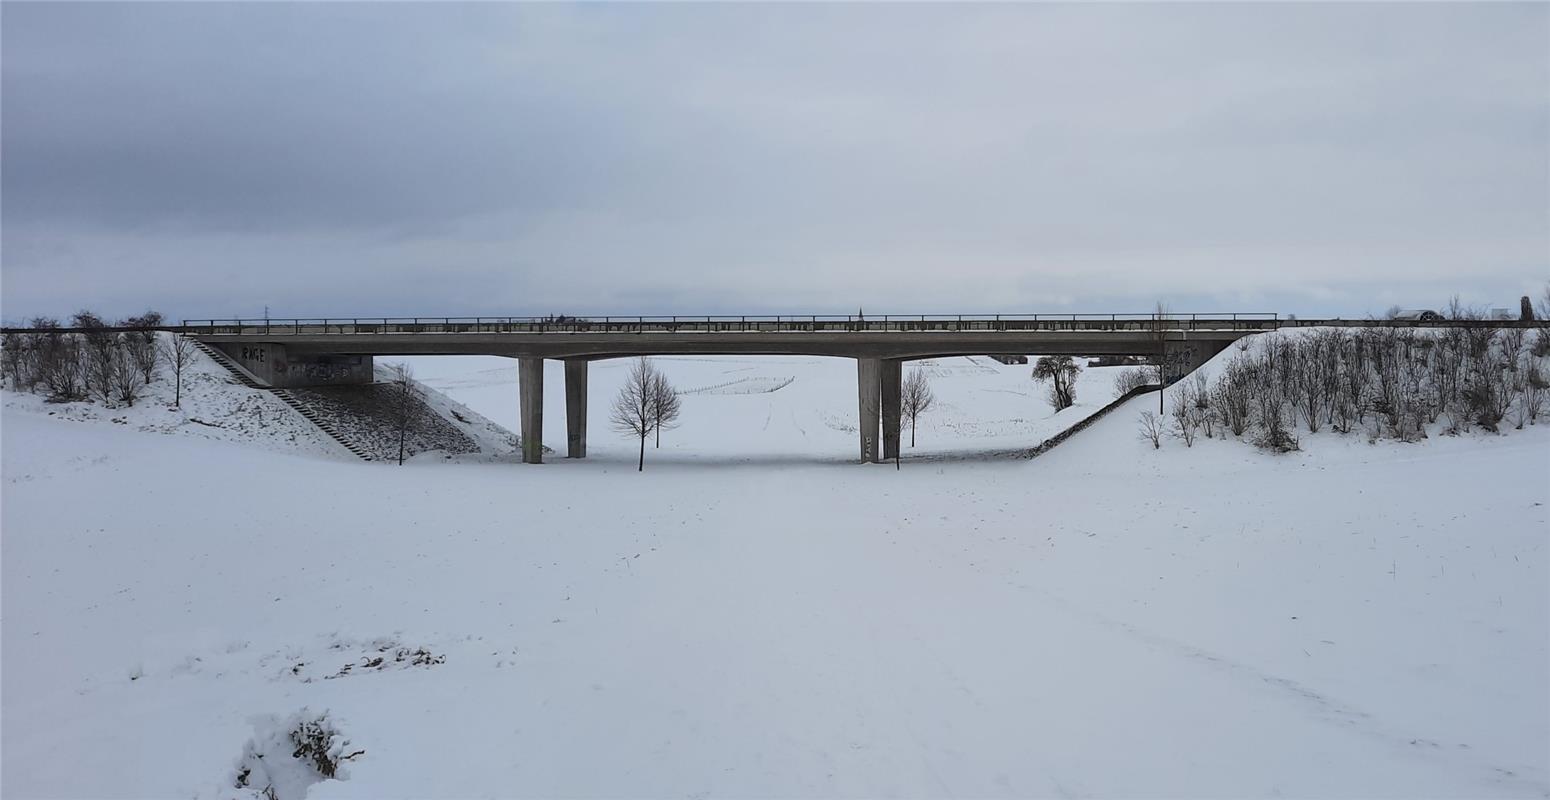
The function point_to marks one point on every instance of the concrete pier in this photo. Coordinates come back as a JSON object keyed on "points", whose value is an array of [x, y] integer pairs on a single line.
{"points": [[868, 386], [575, 408], [891, 375], [530, 387]]}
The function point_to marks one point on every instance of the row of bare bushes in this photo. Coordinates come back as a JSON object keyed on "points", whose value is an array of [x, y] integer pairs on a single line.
{"points": [[95, 362], [1382, 382]]}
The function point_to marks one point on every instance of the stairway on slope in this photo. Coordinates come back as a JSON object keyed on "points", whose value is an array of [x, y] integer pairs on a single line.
{"points": [[251, 381]]}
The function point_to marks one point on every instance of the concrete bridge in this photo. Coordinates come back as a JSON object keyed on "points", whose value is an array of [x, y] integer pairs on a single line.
{"points": [[309, 352]]}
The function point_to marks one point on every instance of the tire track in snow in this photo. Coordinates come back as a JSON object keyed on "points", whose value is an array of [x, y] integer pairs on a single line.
{"points": [[1325, 708]]}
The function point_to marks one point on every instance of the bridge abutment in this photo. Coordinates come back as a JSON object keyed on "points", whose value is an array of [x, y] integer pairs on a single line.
{"points": [[1184, 357], [283, 368], [530, 388], [575, 408]]}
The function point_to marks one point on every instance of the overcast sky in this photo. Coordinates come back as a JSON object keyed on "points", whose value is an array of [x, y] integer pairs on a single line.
{"points": [[210, 159]]}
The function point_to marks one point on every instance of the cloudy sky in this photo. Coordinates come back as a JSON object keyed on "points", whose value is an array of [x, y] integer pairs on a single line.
{"points": [[211, 159]]}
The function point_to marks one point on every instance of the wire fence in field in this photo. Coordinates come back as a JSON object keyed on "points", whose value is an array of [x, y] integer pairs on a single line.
{"points": [[751, 385]]}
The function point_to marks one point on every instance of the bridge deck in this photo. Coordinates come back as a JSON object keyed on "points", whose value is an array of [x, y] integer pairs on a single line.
{"points": [[847, 336]]}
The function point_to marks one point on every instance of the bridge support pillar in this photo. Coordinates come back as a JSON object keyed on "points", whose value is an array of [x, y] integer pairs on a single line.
{"points": [[575, 408], [892, 373], [868, 384], [530, 387]]}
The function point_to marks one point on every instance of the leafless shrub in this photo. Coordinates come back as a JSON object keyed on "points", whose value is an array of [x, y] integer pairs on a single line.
{"points": [[97, 345], [141, 342], [1277, 438], [1185, 425], [52, 358], [1152, 428], [126, 377], [1531, 393], [1131, 379], [1233, 394], [1200, 409]]}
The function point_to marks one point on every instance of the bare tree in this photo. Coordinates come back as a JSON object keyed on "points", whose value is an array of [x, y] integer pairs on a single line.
{"points": [[404, 404], [634, 411], [178, 352], [915, 399], [665, 405], [1061, 372]]}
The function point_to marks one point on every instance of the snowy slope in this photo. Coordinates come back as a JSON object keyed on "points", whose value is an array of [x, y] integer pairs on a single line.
{"points": [[753, 617], [492, 440], [213, 407]]}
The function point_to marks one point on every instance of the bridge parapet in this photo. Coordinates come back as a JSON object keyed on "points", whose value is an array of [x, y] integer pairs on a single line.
{"points": [[812, 323]]}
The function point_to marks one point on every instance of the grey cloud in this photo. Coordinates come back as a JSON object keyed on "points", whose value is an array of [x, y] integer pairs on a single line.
{"points": [[491, 156]]}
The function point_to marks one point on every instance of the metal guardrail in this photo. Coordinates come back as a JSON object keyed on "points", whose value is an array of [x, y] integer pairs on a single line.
{"points": [[811, 323], [728, 324]]}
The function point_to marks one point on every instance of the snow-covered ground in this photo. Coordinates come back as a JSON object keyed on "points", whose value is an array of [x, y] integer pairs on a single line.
{"points": [[752, 616]]}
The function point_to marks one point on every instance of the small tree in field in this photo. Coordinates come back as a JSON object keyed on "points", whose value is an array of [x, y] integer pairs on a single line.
{"points": [[665, 405], [915, 399], [178, 352], [404, 403], [1061, 372], [634, 410]]}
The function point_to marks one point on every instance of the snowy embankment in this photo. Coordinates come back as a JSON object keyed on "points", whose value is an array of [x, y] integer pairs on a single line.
{"points": [[1106, 620], [213, 406], [368, 416]]}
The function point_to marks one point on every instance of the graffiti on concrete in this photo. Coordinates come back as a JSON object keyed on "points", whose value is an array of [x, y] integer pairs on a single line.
{"points": [[321, 371]]}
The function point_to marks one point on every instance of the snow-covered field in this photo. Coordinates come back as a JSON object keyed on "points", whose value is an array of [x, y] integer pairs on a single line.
{"points": [[780, 408], [753, 616]]}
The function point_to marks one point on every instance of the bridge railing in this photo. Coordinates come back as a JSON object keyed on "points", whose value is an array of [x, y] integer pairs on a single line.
{"points": [[1238, 321], [728, 323]]}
